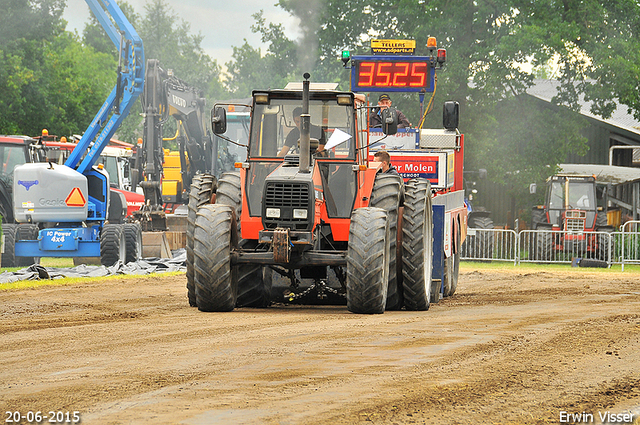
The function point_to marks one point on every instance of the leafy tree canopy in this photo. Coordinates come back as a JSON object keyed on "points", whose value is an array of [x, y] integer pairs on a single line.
{"points": [[52, 78], [167, 39], [48, 79], [492, 46]]}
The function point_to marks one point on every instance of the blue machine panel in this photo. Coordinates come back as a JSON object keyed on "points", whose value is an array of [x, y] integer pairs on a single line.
{"points": [[437, 272]]}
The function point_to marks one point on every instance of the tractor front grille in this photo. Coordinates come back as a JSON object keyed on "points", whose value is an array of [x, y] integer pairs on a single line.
{"points": [[287, 196], [575, 220], [282, 194]]}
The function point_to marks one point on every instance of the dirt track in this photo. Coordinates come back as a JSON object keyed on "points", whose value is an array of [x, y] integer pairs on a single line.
{"points": [[510, 347]]}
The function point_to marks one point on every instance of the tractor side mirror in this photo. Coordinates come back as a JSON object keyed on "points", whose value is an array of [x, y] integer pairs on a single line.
{"points": [[389, 121], [482, 173], [533, 188], [450, 115], [219, 120]]}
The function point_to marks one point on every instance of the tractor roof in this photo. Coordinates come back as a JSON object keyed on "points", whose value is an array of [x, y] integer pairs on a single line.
{"points": [[603, 173]]}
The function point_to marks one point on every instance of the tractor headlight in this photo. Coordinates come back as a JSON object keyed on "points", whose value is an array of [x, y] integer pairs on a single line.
{"points": [[299, 213], [273, 212]]}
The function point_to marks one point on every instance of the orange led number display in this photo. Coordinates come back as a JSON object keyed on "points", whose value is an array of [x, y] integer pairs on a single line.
{"points": [[392, 74]]}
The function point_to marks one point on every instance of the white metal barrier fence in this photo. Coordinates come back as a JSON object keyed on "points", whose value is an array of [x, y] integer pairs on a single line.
{"points": [[544, 246], [490, 244], [629, 243]]}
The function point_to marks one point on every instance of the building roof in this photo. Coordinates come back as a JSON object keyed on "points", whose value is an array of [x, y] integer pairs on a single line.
{"points": [[603, 173], [547, 89]]}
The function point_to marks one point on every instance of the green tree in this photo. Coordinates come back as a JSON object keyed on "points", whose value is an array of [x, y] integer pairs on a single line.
{"points": [[47, 78], [77, 88], [250, 69], [167, 38], [95, 36], [594, 43]]}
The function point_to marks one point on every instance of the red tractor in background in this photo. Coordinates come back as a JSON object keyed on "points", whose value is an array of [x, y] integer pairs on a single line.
{"points": [[570, 220]]}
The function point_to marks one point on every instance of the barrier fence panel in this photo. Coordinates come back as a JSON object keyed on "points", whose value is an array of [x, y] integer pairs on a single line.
{"points": [[490, 244], [627, 248], [545, 246]]}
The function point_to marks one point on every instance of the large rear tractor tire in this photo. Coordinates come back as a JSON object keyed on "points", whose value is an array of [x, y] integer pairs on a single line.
{"points": [[254, 281], [538, 216], [254, 285], [112, 245], [202, 187], [133, 242], [386, 194], [544, 245], [368, 261], [216, 282], [538, 221], [604, 242], [417, 244]]}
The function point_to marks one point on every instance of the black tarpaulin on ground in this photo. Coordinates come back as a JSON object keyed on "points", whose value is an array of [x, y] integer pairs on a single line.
{"points": [[142, 267]]}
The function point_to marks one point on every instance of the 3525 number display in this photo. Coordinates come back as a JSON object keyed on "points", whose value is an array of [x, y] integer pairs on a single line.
{"points": [[385, 74]]}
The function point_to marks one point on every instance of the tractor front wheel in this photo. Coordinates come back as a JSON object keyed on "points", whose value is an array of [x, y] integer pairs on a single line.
{"points": [[202, 187], [368, 261], [216, 283]]}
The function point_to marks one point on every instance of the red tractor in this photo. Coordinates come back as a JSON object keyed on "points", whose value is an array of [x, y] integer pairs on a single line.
{"points": [[319, 213], [570, 220]]}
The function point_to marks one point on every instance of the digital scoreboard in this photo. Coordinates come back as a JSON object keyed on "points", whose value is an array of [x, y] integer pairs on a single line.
{"points": [[392, 73]]}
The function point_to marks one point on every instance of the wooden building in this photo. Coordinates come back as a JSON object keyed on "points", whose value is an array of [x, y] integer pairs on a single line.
{"points": [[611, 141]]}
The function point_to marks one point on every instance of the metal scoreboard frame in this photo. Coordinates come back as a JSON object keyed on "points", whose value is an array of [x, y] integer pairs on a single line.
{"points": [[392, 73]]}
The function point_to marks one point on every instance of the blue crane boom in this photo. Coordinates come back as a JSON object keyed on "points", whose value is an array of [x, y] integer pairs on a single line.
{"points": [[63, 209], [129, 86]]}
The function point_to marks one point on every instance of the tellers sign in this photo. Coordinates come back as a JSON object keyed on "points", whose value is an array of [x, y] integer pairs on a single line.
{"points": [[380, 73]]}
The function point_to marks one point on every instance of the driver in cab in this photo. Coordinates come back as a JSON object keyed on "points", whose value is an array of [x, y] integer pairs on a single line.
{"points": [[294, 135]]}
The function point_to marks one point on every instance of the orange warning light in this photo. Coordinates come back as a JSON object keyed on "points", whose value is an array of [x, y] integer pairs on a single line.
{"points": [[75, 198]]}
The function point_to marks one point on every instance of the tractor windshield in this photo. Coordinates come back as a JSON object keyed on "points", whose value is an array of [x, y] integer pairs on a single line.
{"points": [[572, 195], [566, 194], [12, 155], [582, 196], [274, 132]]}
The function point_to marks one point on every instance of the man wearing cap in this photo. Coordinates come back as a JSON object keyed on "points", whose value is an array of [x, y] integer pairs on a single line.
{"points": [[375, 119]]}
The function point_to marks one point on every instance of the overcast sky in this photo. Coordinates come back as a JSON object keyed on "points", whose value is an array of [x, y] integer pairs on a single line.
{"points": [[223, 23]]}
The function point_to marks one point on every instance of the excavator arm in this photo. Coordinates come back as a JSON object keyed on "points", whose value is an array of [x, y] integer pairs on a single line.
{"points": [[167, 96]]}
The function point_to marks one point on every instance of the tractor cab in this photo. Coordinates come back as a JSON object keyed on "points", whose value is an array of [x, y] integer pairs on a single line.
{"points": [[571, 202]]}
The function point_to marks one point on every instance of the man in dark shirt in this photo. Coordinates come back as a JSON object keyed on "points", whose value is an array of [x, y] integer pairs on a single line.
{"points": [[375, 119], [387, 168], [294, 135]]}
